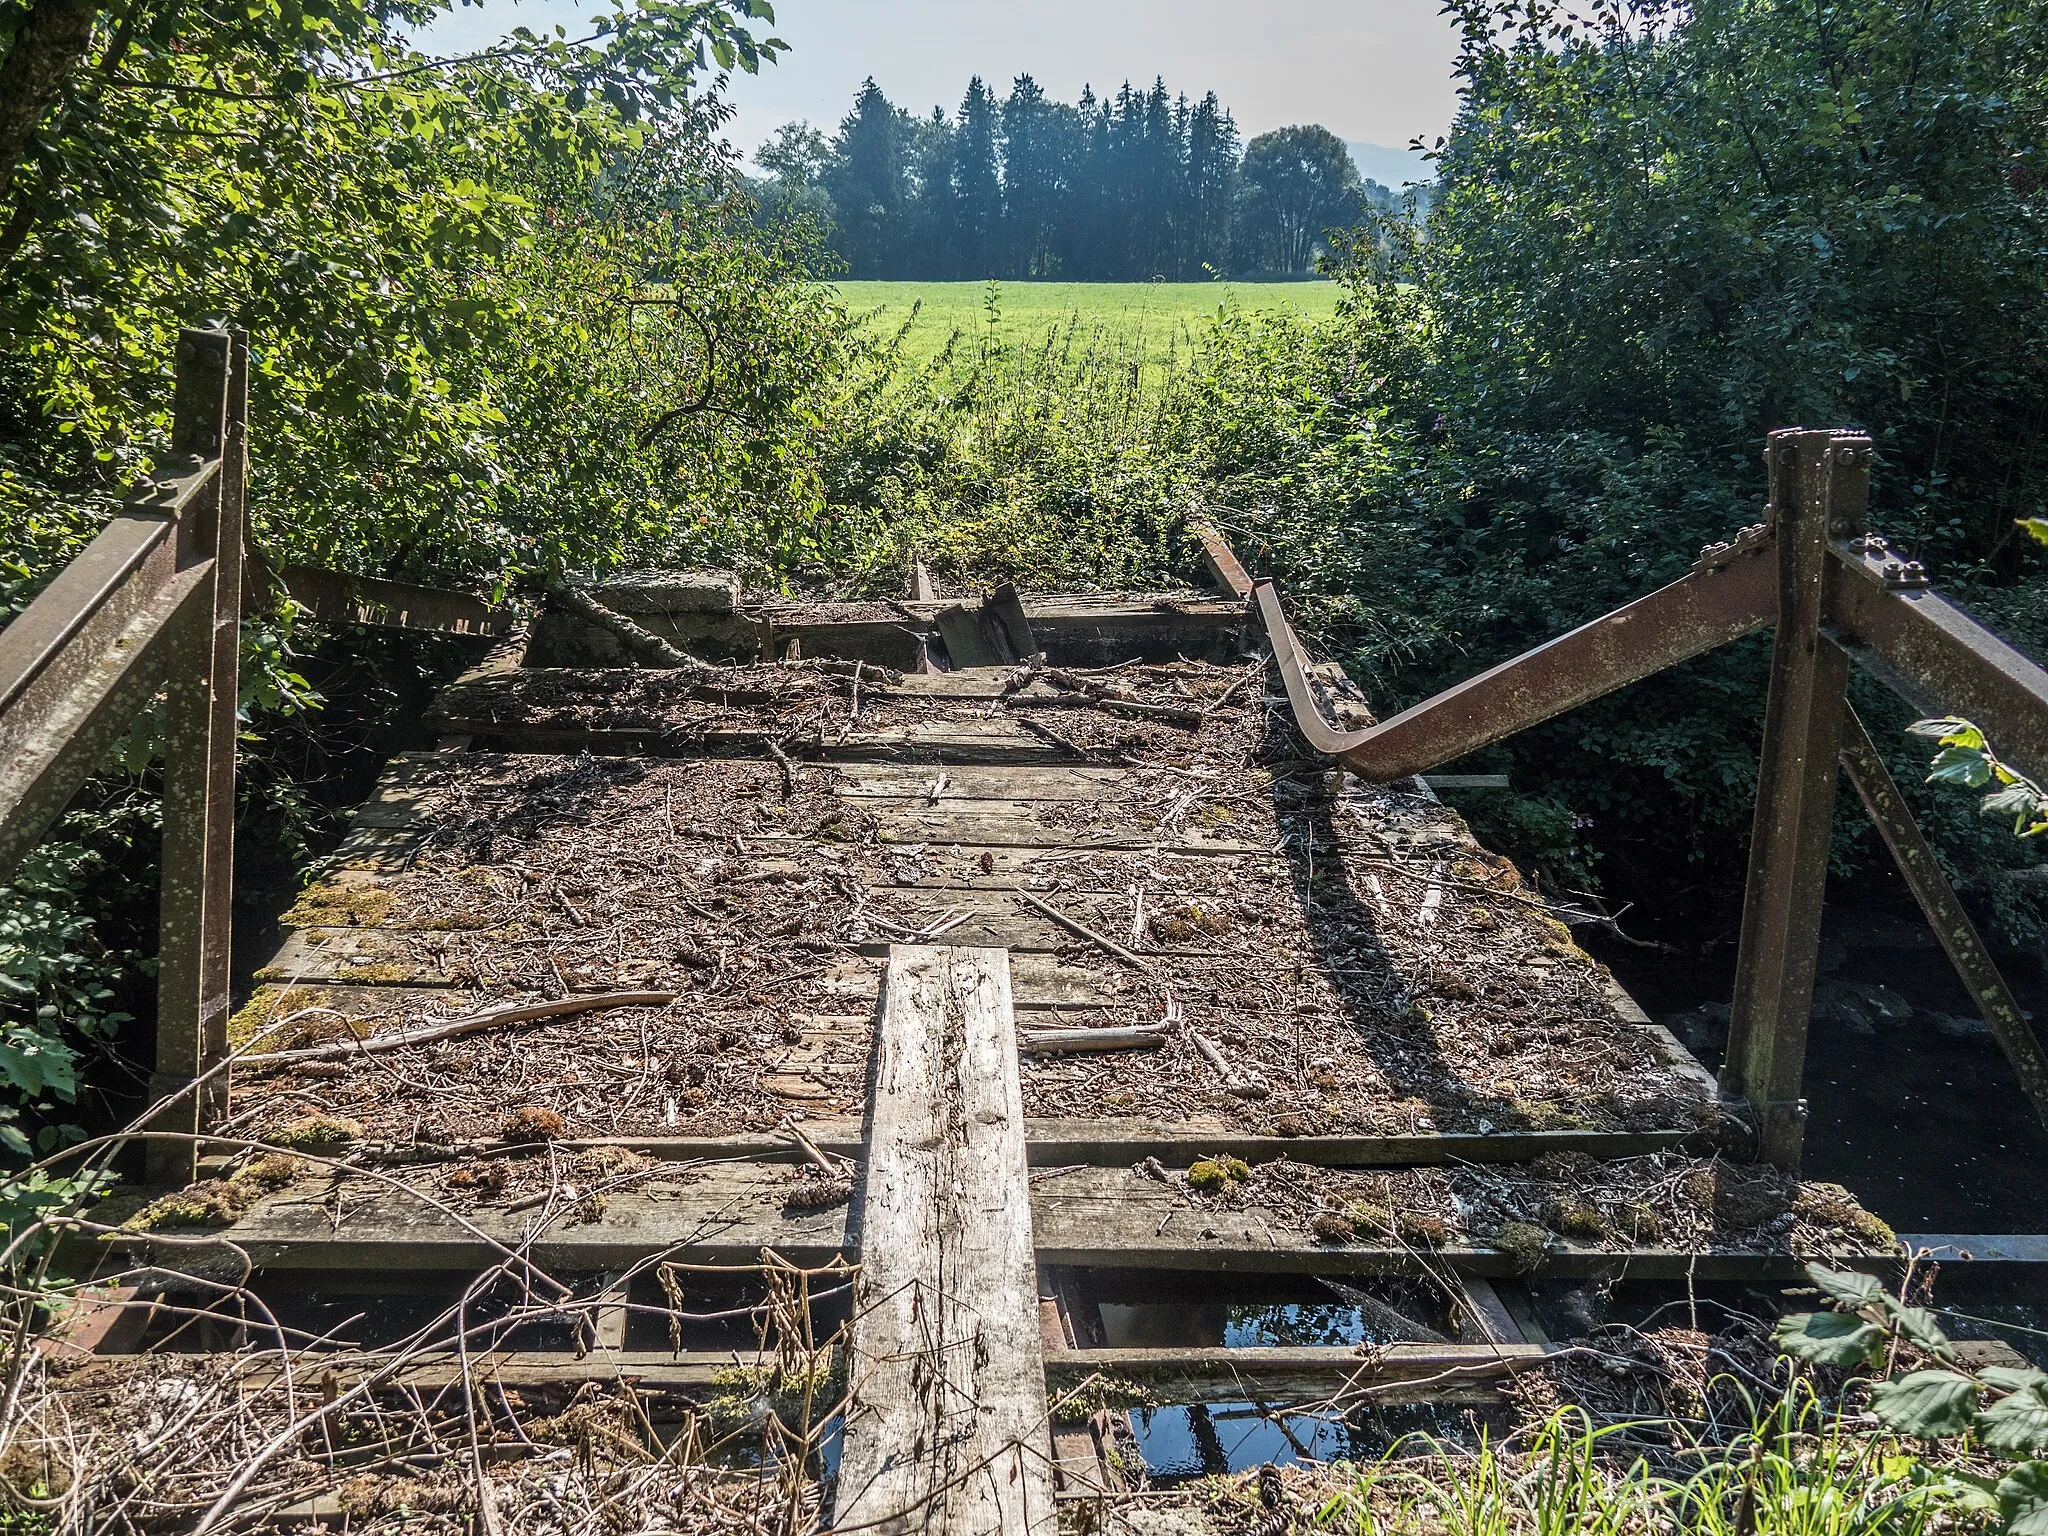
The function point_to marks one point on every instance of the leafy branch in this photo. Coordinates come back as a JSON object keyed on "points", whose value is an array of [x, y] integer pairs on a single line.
{"points": [[1967, 759], [2000, 1409]]}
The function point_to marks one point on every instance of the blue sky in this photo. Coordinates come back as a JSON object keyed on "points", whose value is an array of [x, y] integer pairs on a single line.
{"points": [[1373, 71]]}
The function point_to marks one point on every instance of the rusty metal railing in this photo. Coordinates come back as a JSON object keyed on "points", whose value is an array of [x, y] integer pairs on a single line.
{"points": [[153, 605], [1835, 592]]}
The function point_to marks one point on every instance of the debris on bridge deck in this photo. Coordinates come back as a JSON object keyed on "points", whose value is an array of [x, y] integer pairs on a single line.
{"points": [[595, 984], [1297, 965]]}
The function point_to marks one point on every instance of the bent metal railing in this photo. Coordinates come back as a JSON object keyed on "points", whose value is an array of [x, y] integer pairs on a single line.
{"points": [[153, 605], [1836, 593]]}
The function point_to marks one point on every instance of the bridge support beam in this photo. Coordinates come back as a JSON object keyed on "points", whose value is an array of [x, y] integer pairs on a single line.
{"points": [[210, 418], [1820, 484]]}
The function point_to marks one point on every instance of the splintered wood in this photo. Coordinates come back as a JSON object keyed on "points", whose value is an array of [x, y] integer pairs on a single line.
{"points": [[947, 1427]]}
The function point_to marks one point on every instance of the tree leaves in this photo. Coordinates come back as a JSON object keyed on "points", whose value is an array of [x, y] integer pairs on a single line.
{"points": [[1828, 1338], [1848, 1287], [1929, 1404], [2023, 1499], [2017, 1424], [1966, 758]]}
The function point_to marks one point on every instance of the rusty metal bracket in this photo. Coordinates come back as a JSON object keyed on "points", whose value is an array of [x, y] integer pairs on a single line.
{"points": [[1729, 596], [1933, 655]]}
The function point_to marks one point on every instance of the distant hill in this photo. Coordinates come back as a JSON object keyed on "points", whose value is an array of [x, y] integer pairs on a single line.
{"points": [[1391, 168]]}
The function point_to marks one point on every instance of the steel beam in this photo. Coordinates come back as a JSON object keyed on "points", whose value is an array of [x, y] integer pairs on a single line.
{"points": [[1222, 562], [211, 406], [1945, 914], [60, 732], [1820, 484], [1730, 594], [1935, 656]]}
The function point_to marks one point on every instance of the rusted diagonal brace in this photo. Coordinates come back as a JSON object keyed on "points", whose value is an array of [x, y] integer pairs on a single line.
{"points": [[1936, 657], [1717, 603], [1945, 914], [55, 735]]}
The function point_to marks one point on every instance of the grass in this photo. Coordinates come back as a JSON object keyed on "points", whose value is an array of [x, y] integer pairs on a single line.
{"points": [[1161, 318]]}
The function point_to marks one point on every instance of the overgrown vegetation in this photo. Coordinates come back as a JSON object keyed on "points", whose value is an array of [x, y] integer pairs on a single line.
{"points": [[1662, 232], [1852, 1433]]}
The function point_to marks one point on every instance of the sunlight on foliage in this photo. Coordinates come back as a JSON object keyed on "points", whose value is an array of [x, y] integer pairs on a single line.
{"points": [[1967, 759]]}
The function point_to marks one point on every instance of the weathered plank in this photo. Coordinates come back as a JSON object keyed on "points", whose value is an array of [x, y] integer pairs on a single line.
{"points": [[980, 781], [946, 1429], [1087, 1217]]}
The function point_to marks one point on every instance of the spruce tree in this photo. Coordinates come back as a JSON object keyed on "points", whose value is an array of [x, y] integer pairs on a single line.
{"points": [[865, 179], [977, 222]]}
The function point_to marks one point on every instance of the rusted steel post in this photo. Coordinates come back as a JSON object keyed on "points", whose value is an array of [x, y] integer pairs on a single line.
{"points": [[1945, 914], [210, 415], [1820, 484]]}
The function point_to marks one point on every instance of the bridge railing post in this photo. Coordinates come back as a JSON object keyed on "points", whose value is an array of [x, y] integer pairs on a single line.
{"points": [[210, 418], [1820, 485]]}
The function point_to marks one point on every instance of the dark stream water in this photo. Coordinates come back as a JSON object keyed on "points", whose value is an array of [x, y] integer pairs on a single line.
{"points": [[1913, 1105]]}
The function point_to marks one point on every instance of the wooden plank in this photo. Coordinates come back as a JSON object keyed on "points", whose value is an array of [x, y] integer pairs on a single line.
{"points": [[1982, 1248], [692, 1373], [964, 741], [1485, 1318], [719, 1215], [1000, 824], [946, 1429], [1014, 782], [1088, 1217], [1119, 1144]]}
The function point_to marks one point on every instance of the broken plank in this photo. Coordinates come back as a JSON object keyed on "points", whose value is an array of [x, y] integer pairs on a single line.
{"points": [[946, 1429]]}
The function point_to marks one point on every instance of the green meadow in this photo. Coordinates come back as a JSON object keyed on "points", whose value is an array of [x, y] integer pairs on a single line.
{"points": [[1159, 318]]}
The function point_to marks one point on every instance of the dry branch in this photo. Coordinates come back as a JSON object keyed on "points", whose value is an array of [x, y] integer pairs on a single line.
{"points": [[1135, 1037], [1074, 925], [489, 1018], [641, 641]]}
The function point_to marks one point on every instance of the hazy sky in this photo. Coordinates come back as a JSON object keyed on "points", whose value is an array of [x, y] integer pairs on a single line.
{"points": [[1373, 70]]}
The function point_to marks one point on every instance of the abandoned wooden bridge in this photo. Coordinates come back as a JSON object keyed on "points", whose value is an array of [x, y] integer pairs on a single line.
{"points": [[990, 975]]}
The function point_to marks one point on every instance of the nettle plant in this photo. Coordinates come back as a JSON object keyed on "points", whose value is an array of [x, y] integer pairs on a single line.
{"points": [[1999, 1410]]}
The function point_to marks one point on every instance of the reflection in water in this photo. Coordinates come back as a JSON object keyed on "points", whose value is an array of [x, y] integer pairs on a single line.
{"points": [[1360, 1319], [1202, 1439]]}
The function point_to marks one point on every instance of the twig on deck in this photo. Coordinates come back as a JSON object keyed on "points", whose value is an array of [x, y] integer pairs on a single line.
{"points": [[1132, 1037], [782, 761], [1074, 925], [1047, 733], [789, 1128], [468, 1024], [1234, 1083]]}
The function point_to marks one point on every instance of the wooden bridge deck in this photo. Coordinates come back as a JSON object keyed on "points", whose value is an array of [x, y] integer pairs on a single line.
{"points": [[1331, 982]]}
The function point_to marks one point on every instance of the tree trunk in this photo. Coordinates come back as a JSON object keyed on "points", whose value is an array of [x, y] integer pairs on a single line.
{"points": [[48, 45]]}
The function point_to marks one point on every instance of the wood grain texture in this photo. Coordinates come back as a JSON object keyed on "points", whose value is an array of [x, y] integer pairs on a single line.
{"points": [[947, 1428]]}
